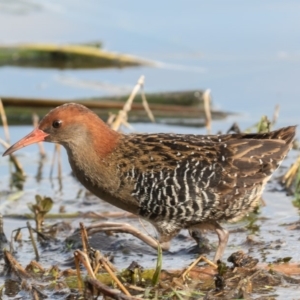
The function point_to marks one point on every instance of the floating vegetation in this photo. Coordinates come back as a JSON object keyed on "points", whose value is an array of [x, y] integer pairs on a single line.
{"points": [[183, 108], [61, 56]]}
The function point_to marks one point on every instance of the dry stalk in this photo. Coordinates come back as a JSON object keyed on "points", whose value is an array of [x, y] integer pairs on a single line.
{"points": [[36, 293], [4, 122], [105, 290], [80, 256], [87, 249], [291, 173], [15, 236], [98, 257], [184, 274], [123, 114], [111, 118], [122, 117], [84, 238], [207, 104], [15, 265], [146, 105], [76, 260], [6, 143], [13, 159], [114, 277]]}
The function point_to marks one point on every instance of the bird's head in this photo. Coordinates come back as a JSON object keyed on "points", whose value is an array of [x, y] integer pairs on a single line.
{"points": [[67, 124]]}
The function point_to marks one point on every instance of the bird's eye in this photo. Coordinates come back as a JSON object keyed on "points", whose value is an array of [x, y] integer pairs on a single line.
{"points": [[56, 123]]}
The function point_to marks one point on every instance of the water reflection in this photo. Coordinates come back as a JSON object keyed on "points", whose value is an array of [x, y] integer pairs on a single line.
{"points": [[57, 159], [41, 163]]}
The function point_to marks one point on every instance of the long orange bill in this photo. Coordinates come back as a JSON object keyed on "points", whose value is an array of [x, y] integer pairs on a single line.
{"points": [[35, 136]]}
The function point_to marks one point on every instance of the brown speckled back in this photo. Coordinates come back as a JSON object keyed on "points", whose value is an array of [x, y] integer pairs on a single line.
{"points": [[189, 179]]}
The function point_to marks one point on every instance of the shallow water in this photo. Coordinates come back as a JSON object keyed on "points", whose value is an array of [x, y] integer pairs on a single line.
{"points": [[246, 53], [272, 240]]}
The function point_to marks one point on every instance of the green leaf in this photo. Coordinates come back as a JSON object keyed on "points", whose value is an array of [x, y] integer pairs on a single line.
{"points": [[158, 268]]}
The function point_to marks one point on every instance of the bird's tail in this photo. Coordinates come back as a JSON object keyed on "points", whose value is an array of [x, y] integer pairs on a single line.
{"points": [[286, 134]]}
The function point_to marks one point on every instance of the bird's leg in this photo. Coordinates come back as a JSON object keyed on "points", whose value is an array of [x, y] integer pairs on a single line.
{"points": [[223, 236], [202, 242], [127, 228]]}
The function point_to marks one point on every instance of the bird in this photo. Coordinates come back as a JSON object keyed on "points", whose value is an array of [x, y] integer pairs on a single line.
{"points": [[174, 181]]}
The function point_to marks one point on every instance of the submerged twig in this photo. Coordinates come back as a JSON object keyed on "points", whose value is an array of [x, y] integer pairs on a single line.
{"points": [[37, 257]]}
